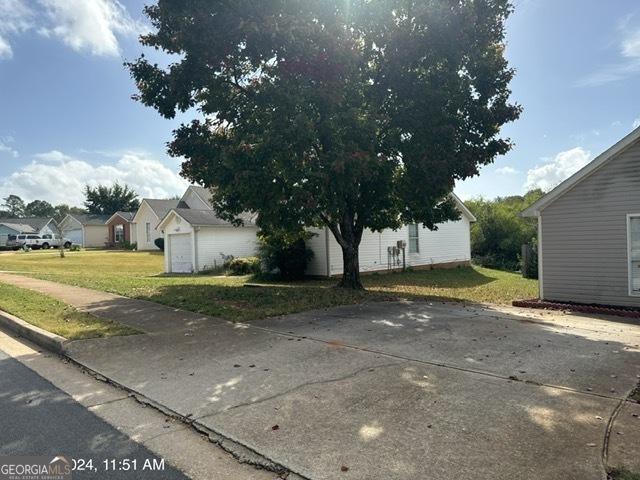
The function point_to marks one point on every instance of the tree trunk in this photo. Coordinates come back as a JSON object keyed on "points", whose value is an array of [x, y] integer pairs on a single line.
{"points": [[351, 268]]}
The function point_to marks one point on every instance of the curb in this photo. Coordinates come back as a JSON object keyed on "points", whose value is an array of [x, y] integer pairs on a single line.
{"points": [[37, 335], [57, 344]]}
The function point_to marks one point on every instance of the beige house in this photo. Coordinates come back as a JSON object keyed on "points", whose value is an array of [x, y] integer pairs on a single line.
{"points": [[145, 222], [589, 231], [86, 230]]}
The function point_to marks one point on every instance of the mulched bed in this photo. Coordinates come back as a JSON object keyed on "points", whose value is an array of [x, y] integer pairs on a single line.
{"points": [[629, 312]]}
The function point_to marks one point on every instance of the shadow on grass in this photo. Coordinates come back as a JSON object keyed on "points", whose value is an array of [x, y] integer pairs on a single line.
{"points": [[462, 277]]}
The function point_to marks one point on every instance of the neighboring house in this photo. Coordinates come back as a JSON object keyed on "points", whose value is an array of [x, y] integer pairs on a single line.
{"points": [[196, 240], [589, 231], [146, 219], [120, 228], [86, 229], [449, 246], [15, 226]]}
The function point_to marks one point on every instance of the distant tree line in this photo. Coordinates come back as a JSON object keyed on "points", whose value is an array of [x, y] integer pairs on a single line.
{"points": [[99, 200], [499, 233]]}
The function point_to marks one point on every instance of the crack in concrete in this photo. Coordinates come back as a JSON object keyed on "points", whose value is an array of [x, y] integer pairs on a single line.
{"points": [[303, 385], [510, 378]]}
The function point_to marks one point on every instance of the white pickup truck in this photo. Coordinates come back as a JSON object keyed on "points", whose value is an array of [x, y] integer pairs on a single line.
{"points": [[36, 241]]}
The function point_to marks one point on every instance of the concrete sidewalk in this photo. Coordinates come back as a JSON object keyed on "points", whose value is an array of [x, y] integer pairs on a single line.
{"points": [[392, 390]]}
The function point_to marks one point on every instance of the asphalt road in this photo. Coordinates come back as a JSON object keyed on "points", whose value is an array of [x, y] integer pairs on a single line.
{"points": [[36, 418]]}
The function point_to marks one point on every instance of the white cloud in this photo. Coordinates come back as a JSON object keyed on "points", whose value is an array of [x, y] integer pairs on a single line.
{"points": [[93, 26], [554, 171], [6, 148], [60, 178], [628, 65], [89, 25], [15, 18], [506, 170], [636, 123]]}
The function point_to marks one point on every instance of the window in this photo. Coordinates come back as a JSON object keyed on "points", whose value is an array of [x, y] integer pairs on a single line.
{"points": [[414, 244], [147, 227], [119, 233], [633, 232]]}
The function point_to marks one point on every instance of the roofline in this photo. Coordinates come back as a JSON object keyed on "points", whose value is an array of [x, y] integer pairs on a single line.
{"points": [[118, 214], [164, 219], [144, 200], [590, 168], [206, 202], [463, 207]]}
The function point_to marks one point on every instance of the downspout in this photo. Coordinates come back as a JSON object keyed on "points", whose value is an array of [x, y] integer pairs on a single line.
{"points": [[326, 246], [195, 249], [540, 272]]}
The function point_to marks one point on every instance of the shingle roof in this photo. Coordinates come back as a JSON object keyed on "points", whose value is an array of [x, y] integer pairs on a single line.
{"points": [[27, 225], [161, 207], [89, 219], [19, 227], [208, 218], [126, 215], [203, 193]]}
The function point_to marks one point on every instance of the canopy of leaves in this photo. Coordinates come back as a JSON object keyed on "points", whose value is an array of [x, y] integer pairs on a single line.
{"points": [[356, 114], [105, 200], [39, 208], [499, 233], [13, 206]]}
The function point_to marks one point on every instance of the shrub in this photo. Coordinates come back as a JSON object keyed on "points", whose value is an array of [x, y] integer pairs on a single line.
{"points": [[126, 245], [75, 248], [285, 252], [242, 265], [159, 242]]}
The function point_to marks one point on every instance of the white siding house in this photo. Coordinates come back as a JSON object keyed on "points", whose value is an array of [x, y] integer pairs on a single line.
{"points": [[450, 245], [197, 240], [146, 220]]}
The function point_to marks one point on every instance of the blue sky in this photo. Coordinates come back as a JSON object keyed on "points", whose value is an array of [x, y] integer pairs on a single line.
{"points": [[66, 117]]}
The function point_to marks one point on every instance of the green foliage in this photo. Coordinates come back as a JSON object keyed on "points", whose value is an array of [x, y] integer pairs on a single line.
{"points": [[13, 206], [105, 200], [242, 265], [499, 233], [353, 115], [75, 248], [159, 242], [285, 251], [39, 208]]}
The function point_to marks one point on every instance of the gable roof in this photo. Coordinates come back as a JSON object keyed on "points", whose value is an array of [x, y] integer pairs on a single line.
{"points": [[203, 193], [19, 227], [88, 219], [463, 208], [126, 216], [204, 218], [592, 167], [159, 207], [27, 225]]}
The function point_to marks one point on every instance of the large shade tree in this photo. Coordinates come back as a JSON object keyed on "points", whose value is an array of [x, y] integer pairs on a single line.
{"points": [[107, 200], [349, 114]]}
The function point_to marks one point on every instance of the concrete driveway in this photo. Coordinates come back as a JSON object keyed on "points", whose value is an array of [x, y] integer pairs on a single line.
{"points": [[389, 390]]}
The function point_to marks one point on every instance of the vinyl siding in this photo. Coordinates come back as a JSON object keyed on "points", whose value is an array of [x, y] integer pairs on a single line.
{"points": [[213, 243], [145, 215], [192, 199], [450, 243], [584, 235], [4, 234], [96, 235]]}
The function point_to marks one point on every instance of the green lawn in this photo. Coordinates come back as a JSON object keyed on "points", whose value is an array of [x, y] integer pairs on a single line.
{"points": [[138, 275], [56, 317]]}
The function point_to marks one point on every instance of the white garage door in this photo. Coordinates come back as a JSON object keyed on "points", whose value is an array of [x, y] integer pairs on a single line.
{"points": [[74, 235], [180, 248]]}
